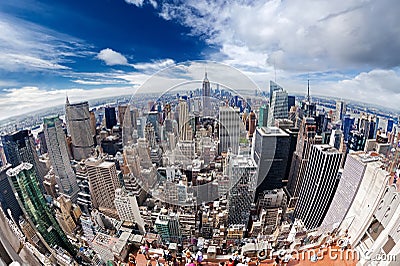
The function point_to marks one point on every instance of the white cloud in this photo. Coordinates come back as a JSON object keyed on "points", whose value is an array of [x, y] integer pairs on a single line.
{"points": [[111, 57], [17, 101], [140, 3], [154, 65], [30, 47], [298, 35]]}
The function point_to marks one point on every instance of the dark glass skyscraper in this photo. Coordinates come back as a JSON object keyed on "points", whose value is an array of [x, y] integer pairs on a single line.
{"points": [[32, 201], [7, 197], [270, 151], [19, 147], [111, 117]]}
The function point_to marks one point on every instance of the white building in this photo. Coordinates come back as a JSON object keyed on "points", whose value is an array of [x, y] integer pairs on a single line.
{"points": [[128, 209]]}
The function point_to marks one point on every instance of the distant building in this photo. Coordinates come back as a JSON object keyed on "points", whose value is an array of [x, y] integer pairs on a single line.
{"points": [[263, 116], [319, 185], [229, 129], [111, 117], [340, 110], [79, 128], [206, 91], [278, 106]]}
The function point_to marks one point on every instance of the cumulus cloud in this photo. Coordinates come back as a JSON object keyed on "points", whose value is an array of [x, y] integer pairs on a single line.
{"points": [[298, 35], [111, 57]]}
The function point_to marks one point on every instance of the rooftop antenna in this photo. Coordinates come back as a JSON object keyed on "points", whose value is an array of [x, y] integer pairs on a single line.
{"points": [[66, 98], [308, 90]]}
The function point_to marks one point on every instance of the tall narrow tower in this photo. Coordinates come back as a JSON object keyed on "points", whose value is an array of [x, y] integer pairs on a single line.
{"points": [[58, 153], [206, 96]]}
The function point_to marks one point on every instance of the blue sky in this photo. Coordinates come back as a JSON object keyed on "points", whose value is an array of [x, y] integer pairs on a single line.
{"points": [[110, 47]]}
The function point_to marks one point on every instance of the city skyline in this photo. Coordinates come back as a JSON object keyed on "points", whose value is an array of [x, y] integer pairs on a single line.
{"points": [[101, 51]]}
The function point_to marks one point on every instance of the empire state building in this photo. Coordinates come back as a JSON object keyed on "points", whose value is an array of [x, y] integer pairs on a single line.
{"points": [[206, 96]]}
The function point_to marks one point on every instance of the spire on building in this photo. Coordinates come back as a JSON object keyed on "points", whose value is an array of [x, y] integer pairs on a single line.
{"points": [[308, 90], [66, 98]]}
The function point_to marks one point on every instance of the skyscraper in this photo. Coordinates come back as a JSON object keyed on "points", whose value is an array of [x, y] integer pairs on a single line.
{"points": [[278, 106], [273, 87], [42, 142], [111, 117], [251, 124], [58, 154], [340, 110], [19, 147], [128, 209], [7, 197], [349, 183], [242, 178], [270, 152], [348, 123], [167, 226], [229, 129], [305, 139], [103, 181], [319, 185], [206, 91], [263, 116], [78, 125], [291, 102], [32, 201], [185, 131], [389, 127]]}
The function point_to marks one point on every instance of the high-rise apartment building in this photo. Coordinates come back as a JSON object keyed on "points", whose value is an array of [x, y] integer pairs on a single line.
{"points": [[270, 151], [103, 181], [79, 128], [319, 185], [33, 203], [128, 209], [58, 154], [229, 129], [242, 178]]}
